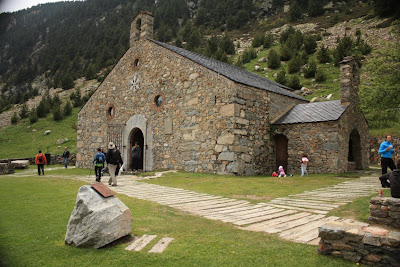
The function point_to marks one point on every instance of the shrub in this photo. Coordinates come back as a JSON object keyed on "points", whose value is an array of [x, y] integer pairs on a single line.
{"points": [[33, 116], [320, 76], [323, 55], [294, 65], [310, 44], [281, 78], [294, 82], [268, 41], [24, 113], [258, 40], [248, 55], [67, 109], [310, 70], [57, 114], [286, 53], [14, 118], [273, 59]]}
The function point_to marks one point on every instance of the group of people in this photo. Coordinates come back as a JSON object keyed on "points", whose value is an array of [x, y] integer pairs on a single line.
{"points": [[389, 180], [114, 162], [304, 162]]}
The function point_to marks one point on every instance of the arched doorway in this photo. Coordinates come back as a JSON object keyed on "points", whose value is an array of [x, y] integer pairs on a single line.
{"points": [[281, 151], [136, 136], [354, 156]]}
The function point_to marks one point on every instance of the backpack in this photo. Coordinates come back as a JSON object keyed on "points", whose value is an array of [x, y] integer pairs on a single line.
{"points": [[98, 158], [41, 159]]}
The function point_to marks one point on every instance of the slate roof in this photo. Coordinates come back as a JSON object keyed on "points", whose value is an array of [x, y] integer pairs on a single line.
{"points": [[231, 72], [313, 112]]}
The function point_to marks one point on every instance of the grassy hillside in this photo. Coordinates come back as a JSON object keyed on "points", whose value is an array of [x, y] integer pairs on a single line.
{"points": [[25, 139]]}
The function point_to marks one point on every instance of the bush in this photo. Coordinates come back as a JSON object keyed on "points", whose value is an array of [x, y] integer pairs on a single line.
{"points": [[294, 82], [281, 78], [320, 76], [286, 53], [33, 116], [24, 113], [323, 55], [67, 109], [258, 40], [310, 44], [273, 59], [294, 65], [14, 118], [57, 114], [310, 70], [268, 41], [248, 55]]}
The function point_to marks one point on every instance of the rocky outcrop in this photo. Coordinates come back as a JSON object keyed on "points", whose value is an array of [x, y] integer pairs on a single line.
{"points": [[97, 221]]}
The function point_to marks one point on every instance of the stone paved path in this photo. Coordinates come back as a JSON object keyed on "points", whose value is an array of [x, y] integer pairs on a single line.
{"points": [[295, 217]]}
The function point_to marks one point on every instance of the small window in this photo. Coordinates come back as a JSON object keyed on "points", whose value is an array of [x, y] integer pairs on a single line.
{"points": [[137, 62], [110, 111], [158, 100]]}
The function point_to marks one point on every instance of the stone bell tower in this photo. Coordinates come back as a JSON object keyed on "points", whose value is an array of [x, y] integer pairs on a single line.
{"points": [[141, 27], [349, 81]]}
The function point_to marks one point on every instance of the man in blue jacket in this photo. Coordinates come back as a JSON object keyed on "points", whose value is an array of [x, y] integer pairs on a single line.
{"points": [[386, 150]]}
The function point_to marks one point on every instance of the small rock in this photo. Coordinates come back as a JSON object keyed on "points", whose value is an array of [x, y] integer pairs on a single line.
{"points": [[256, 67], [47, 132], [329, 96]]}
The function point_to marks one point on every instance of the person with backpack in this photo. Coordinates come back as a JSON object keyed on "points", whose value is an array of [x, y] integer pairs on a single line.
{"points": [[113, 158], [66, 156], [98, 162], [40, 160]]}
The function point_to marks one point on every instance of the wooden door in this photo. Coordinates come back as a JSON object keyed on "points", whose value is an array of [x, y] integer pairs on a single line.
{"points": [[281, 148]]}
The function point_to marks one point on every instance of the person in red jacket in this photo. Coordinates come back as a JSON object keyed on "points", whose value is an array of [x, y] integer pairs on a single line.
{"points": [[40, 160]]}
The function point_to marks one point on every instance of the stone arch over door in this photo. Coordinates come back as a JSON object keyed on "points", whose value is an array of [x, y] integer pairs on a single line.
{"points": [[281, 151], [134, 127], [354, 157], [136, 136]]}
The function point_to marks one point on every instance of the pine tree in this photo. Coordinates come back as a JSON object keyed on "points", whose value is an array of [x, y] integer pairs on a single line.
{"points": [[273, 60], [281, 78], [323, 54], [67, 109], [24, 112]]}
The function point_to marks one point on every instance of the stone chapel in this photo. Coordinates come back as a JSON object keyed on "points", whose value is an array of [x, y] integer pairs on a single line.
{"points": [[193, 113]]}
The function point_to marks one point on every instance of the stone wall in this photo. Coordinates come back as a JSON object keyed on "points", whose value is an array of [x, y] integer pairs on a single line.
{"points": [[326, 143], [360, 243], [54, 159], [6, 168], [375, 142], [206, 122], [385, 211]]}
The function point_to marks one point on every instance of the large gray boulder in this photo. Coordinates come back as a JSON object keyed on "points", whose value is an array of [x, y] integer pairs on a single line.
{"points": [[97, 221]]}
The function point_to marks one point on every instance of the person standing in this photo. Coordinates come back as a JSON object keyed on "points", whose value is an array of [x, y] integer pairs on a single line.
{"points": [[136, 154], [304, 161], [98, 162], [386, 150], [66, 157], [40, 160], [113, 158]]}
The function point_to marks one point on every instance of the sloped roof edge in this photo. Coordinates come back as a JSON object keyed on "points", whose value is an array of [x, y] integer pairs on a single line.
{"points": [[231, 72]]}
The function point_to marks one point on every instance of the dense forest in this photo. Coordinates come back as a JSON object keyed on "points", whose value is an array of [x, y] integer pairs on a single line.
{"points": [[67, 40]]}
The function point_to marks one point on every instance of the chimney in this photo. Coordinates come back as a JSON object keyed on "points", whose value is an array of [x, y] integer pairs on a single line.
{"points": [[141, 27], [349, 81]]}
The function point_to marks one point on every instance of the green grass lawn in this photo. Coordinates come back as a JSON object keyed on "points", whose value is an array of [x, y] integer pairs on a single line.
{"points": [[25, 139], [35, 210], [252, 188]]}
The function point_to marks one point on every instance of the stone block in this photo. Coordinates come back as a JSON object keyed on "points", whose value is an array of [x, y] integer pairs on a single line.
{"points": [[226, 139], [379, 213], [370, 239], [20, 164], [329, 232], [393, 201], [228, 156], [342, 246], [228, 110], [97, 221]]}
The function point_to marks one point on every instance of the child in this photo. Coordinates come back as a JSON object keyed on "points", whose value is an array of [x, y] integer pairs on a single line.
{"points": [[304, 161], [281, 172]]}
